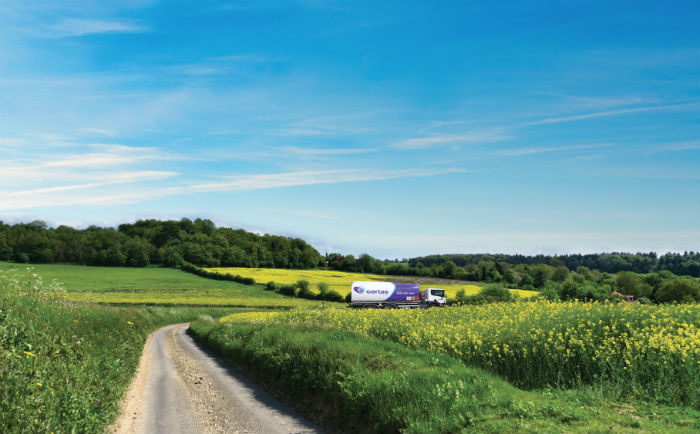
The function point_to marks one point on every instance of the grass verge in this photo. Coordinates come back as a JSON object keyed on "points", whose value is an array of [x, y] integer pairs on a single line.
{"points": [[64, 366], [348, 382]]}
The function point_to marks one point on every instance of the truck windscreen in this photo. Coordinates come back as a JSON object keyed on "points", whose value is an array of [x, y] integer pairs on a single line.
{"points": [[437, 292]]}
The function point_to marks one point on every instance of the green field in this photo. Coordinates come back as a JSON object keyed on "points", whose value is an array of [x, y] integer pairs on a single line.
{"points": [[67, 353], [385, 387], [63, 365], [154, 286]]}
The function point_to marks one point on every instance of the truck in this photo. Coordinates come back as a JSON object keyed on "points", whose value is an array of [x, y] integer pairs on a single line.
{"points": [[390, 295]]}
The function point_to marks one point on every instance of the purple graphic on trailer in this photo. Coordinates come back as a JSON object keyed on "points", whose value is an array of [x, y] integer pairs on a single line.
{"points": [[384, 291], [405, 292]]}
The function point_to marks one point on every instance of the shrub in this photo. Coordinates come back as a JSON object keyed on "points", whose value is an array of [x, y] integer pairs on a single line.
{"points": [[681, 289], [322, 291], [290, 290], [550, 292], [488, 294], [304, 291], [491, 293], [333, 296], [271, 286], [461, 296], [191, 268]]}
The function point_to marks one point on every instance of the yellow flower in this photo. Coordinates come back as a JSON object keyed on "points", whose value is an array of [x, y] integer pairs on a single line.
{"points": [[130, 323], [29, 353], [39, 384]]}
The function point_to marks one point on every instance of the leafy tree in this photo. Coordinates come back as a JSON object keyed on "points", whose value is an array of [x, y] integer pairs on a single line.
{"points": [[322, 287], [526, 282], [560, 274], [540, 275], [447, 270], [630, 283], [681, 289]]}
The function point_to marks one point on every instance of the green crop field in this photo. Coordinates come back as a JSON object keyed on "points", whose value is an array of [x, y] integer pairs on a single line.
{"points": [[63, 365], [156, 286], [529, 366]]}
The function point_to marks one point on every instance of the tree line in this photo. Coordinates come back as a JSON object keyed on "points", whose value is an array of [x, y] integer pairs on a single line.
{"points": [[687, 264], [169, 243], [491, 267]]}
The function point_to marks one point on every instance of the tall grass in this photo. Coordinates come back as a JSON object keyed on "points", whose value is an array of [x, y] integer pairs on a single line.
{"points": [[652, 352], [351, 383], [64, 366]]}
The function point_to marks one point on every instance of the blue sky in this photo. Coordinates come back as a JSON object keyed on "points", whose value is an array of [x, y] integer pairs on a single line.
{"points": [[392, 128]]}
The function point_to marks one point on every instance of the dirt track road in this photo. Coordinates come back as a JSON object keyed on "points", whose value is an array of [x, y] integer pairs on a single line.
{"points": [[182, 388]]}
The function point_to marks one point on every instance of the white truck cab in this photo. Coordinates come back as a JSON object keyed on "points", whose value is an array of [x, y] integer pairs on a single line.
{"points": [[433, 297]]}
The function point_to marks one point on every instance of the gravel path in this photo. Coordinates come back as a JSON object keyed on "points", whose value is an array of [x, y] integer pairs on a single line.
{"points": [[182, 388]]}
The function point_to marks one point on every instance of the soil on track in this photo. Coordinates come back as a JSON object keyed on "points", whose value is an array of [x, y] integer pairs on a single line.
{"points": [[182, 388]]}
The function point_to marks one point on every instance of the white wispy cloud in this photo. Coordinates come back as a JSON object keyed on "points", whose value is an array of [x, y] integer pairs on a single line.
{"points": [[81, 27], [327, 151], [108, 179], [11, 142], [109, 161], [291, 179], [689, 145], [556, 120], [92, 192], [90, 160], [101, 131], [539, 150], [439, 140], [93, 195]]}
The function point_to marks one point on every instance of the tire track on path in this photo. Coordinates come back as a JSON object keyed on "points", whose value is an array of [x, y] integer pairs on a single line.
{"points": [[181, 387]]}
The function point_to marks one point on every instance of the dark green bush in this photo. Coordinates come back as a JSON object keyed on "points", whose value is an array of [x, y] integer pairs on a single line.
{"points": [[290, 290], [488, 294], [191, 268], [681, 290], [333, 296]]}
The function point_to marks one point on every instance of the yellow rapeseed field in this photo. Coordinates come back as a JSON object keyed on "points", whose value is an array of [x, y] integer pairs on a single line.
{"points": [[648, 350], [339, 281]]}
